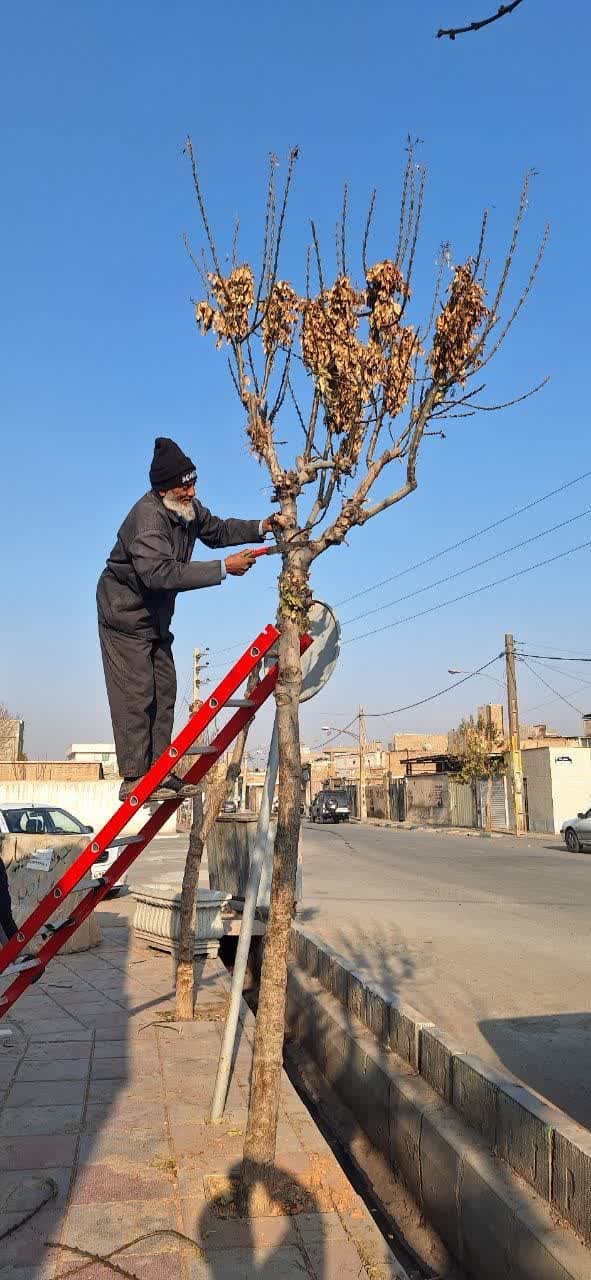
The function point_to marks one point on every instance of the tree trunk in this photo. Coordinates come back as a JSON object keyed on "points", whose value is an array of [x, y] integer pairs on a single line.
{"points": [[489, 796], [218, 787], [188, 917], [261, 1133]]}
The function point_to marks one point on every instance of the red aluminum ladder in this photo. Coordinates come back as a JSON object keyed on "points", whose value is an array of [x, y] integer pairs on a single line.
{"points": [[134, 845]]}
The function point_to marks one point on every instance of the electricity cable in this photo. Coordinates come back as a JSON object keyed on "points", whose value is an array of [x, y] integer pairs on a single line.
{"points": [[443, 551], [551, 688], [372, 715], [466, 595], [470, 538], [477, 565]]}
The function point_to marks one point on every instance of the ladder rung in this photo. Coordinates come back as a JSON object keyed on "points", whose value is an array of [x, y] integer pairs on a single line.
{"points": [[198, 751], [65, 924], [121, 841], [17, 968], [240, 702]]}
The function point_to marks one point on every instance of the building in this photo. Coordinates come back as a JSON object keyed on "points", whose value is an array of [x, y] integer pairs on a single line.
{"points": [[11, 739], [557, 784], [51, 771], [95, 753], [417, 743]]}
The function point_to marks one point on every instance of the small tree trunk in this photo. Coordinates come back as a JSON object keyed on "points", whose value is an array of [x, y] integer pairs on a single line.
{"points": [[489, 796], [217, 791], [261, 1132], [188, 918]]}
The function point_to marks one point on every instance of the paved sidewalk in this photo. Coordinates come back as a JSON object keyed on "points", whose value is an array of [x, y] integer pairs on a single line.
{"points": [[104, 1097]]}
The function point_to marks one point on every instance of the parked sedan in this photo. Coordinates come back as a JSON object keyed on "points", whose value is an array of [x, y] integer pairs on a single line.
{"points": [[577, 832], [49, 820]]}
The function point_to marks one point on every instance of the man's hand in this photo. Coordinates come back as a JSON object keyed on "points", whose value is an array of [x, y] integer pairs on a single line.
{"points": [[274, 523], [239, 564]]}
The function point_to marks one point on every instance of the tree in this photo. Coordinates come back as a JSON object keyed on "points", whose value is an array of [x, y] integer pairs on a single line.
{"points": [[358, 388], [219, 784], [475, 743], [502, 12]]}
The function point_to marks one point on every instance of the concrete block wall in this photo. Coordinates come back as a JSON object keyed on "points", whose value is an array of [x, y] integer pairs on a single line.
{"points": [[536, 1140], [93, 803]]}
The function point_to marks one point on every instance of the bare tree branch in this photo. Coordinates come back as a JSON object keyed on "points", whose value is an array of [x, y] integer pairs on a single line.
{"points": [[502, 12]]}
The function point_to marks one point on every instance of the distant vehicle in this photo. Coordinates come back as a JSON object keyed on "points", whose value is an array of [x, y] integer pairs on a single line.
{"points": [[229, 806], [49, 820], [577, 832], [331, 806]]}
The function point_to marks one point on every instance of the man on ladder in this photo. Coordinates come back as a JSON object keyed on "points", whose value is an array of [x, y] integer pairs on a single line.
{"points": [[149, 564]]}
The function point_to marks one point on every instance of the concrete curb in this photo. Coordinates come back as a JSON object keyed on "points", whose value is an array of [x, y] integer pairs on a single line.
{"points": [[362, 1036], [471, 833]]}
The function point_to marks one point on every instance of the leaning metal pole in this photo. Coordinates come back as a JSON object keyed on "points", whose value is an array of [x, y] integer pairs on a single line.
{"points": [[250, 901]]}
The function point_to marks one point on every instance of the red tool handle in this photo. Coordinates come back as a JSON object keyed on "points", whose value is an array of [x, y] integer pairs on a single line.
{"points": [[260, 551]]}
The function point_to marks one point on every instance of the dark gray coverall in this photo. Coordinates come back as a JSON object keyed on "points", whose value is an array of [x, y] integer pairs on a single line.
{"points": [[136, 595]]}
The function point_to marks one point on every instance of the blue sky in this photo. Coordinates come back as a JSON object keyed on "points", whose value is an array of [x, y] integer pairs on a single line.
{"points": [[101, 353]]}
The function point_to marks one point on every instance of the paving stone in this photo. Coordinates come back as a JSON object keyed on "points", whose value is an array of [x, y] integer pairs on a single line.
{"points": [[130, 1146], [241, 1264], [314, 1228], [46, 1069], [130, 1181], [127, 1115], [119, 1066], [45, 1029], [139, 1089], [103, 1227], [161, 1266], [61, 1050], [25, 1246], [44, 1270], [38, 1151], [28, 1120], [108, 1182], [42, 1093], [212, 1232], [336, 1260]]}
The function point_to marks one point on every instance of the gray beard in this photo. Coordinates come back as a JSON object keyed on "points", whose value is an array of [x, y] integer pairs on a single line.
{"points": [[185, 510]]}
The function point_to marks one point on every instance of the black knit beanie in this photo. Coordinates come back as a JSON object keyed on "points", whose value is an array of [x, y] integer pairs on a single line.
{"points": [[170, 466]]}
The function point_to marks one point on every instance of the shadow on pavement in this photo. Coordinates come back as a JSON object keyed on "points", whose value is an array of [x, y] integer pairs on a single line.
{"points": [[276, 1247], [548, 1053]]}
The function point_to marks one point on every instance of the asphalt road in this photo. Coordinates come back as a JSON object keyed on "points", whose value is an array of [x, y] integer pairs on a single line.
{"points": [[491, 939]]}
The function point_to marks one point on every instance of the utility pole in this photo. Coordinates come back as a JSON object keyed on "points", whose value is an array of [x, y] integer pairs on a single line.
{"points": [[244, 780], [197, 806], [362, 750], [515, 766], [196, 703]]}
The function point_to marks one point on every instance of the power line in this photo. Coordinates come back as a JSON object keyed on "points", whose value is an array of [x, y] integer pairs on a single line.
{"points": [[466, 595], [372, 715], [549, 701], [470, 538], [549, 656], [437, 554], [477, 565], [432, 696], [551, 688], [543, 644], [576, 676], [338, 734]]}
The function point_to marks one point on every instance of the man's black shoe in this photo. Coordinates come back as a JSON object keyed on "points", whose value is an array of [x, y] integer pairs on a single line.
{"points": [[181, 789], [163, 792]]}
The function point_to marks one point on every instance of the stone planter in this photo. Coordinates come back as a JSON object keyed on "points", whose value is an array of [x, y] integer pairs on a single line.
{"points": [[157, 917], [28, 886], [229, 847]]}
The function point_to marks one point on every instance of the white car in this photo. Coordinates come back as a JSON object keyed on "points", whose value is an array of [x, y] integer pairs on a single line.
{"points": [[577, 832], [49, 820]]}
